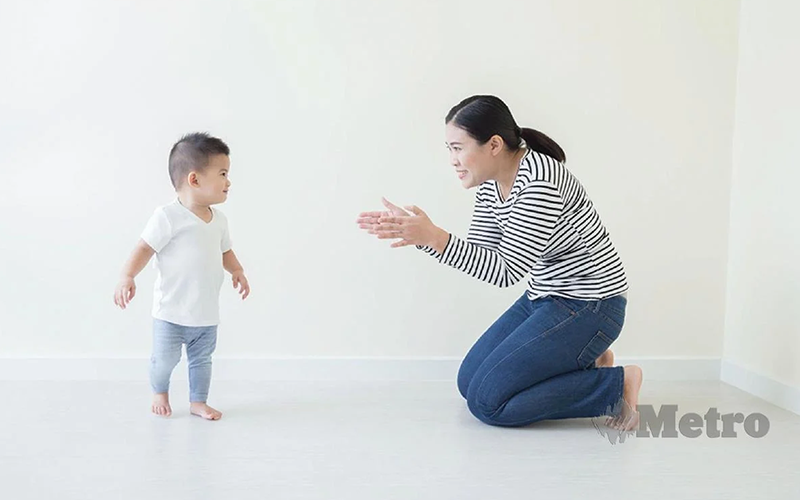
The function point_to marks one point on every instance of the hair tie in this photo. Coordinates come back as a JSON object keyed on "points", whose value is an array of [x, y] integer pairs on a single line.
{"points": [[522, 143]]}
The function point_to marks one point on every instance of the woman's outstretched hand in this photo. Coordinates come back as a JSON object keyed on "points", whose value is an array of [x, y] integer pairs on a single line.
{"points": [[370, 221], [411, 226]]}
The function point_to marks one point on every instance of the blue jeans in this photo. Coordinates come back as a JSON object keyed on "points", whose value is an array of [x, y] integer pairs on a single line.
{"points": [[168, 339], [537, 362]]}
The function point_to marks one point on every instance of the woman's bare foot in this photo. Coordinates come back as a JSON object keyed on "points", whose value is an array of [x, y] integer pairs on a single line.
{"points": [[606, 360], [161, 405], [205, 411], [628, 417]]}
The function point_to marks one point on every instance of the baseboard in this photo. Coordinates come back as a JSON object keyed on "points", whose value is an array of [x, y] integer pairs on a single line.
{"points": [[761, 386], [313, 368], [701, 368]]}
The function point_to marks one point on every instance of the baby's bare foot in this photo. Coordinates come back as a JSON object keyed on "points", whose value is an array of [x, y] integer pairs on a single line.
{"points": [[605, 360], [205, 411], [161, 405], [628, 417]]}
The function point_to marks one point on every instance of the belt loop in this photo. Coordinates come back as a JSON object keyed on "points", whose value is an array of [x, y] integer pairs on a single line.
{"points": [[597, 305]]}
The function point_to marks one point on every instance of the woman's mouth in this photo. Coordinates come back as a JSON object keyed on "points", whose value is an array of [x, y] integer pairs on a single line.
{"points": [[461, 173]]}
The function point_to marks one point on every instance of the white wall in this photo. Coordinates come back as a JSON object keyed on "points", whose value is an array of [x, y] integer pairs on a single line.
{"points": [[762, 333], [327, 106]]}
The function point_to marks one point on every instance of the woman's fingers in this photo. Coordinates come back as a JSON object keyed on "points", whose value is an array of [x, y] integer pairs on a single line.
{"points": [[388, 204], [372, 215], [388, 226], [381, 224], [392, 220], [415, 210], [368, 220], [393, 208], [385, 235]]}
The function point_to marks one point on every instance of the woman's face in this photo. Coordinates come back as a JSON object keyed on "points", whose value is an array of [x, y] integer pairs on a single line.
{"points": [[473, 162]]}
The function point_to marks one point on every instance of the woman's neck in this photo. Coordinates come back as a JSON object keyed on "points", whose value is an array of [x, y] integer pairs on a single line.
{"points": [[508, 172]]}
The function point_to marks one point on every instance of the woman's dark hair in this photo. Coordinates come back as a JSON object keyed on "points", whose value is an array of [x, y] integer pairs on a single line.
{"points": [[484, 116]]}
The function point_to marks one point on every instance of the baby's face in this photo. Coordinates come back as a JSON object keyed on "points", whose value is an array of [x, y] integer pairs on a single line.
{"points": [[214, 182]]}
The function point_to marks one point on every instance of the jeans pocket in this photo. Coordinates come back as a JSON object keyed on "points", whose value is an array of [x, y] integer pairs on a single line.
{"points": [[597, 346], [614, 311]]}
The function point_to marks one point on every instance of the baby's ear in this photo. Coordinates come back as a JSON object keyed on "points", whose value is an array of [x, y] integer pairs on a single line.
{"points": [[192, 179]]}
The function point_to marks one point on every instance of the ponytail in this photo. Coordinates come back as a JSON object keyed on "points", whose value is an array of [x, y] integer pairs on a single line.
{"points": [[540, 143]]}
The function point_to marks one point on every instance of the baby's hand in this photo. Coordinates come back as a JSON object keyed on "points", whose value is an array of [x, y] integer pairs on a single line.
{"points": [[126, 290], [240, 284]]}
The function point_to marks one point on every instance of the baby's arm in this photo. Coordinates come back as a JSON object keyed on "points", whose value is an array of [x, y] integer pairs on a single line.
{"points": [[126, 288], [233, 266]]}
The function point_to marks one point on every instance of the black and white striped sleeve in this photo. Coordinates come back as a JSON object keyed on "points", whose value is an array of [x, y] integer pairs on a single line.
{"points": [[483, 228], [530, 225]]}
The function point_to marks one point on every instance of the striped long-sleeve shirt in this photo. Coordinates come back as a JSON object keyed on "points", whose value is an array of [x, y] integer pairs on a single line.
{"points": [[547, 227]]}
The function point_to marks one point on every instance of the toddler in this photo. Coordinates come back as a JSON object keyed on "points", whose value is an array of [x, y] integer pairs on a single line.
{"points": [[192, 245]]}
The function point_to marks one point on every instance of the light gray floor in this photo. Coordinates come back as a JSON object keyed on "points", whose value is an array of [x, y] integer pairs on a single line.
{"points": [[417, 441]]}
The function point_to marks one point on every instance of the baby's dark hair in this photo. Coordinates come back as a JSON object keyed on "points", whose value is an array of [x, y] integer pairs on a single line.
{"points": [[191, 154]]}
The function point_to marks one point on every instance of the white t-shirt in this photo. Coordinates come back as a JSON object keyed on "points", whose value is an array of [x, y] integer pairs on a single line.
{"points": [[189, 263]]}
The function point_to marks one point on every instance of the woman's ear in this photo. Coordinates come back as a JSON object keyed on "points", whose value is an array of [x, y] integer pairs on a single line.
{"points": [[496, 144]]}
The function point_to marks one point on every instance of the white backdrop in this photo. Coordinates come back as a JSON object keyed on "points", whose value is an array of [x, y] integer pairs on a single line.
{"points": [[327, 106], [762, 334]]}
